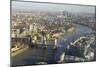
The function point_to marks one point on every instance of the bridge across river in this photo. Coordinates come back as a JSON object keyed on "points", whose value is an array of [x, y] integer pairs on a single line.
{"points": [[34, 56]]}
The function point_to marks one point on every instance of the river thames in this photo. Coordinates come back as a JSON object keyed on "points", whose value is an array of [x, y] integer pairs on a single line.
{"points": [[35, 56]]}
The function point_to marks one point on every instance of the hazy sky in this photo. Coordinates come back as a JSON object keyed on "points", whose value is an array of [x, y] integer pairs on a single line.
{"points": [[17, 5]]}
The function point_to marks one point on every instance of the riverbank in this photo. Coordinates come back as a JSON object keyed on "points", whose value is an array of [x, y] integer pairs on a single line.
{"points": [[29, 57], [69, 31], [72, 29], [19, 51]]}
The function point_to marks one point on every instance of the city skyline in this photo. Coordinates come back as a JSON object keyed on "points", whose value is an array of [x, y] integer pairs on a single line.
{"points": [[48, 33]]}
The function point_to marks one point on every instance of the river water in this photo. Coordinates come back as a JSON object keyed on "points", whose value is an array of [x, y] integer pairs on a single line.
{"points": [[62, 43], [32, 56]]}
